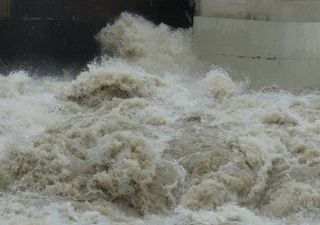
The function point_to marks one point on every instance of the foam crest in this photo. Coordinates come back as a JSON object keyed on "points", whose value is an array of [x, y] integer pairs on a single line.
{"points": [[158, 49], [14, 85], [111, 80], [217, 84]]}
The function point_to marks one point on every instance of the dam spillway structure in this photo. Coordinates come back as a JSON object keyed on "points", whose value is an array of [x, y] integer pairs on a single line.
{"points": [[268, 41], [54, 34]]}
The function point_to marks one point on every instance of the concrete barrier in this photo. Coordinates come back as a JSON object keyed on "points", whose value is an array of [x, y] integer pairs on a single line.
{"points": [[286, 54], [266, 10]]}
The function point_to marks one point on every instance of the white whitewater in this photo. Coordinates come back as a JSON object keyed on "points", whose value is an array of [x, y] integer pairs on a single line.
{"points": [[153, 136]]}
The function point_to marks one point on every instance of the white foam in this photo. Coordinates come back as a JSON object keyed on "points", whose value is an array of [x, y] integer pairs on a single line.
{"points": [[148, 137]]}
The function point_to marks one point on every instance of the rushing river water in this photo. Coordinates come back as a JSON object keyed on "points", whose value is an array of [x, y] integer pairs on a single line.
{"points": [[154, 136]]}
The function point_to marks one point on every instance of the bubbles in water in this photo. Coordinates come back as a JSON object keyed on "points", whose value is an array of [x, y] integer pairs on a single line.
{"points": [[157, 49], [154, 136]]}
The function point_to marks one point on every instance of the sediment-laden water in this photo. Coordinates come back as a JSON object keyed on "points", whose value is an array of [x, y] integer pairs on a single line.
{"points": [[151, 135]]}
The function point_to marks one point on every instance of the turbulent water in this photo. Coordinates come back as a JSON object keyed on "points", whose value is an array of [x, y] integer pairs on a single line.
{"points": [[150, 135]]}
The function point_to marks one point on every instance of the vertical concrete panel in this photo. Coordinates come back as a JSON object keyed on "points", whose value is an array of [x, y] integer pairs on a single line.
{"points": [[286, 54], [269, 41], [266, 10]]}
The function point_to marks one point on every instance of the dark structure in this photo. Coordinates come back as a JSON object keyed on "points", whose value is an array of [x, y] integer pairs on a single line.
{"points": [[47, 35]]}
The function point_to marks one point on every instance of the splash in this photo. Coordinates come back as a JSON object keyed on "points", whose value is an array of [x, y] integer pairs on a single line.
{"points": [[157, 49], [146, 137]]}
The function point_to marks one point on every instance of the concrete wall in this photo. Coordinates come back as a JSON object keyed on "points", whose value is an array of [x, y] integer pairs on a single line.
{"points": [[285, 54], [266, 10]]}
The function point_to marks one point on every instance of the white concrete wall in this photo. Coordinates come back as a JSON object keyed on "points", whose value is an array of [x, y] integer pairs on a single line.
{"points": [[267, 10], [285, 54]]}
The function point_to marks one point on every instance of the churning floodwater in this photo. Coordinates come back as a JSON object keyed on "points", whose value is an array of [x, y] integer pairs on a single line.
{"points": [[154, 136]]}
